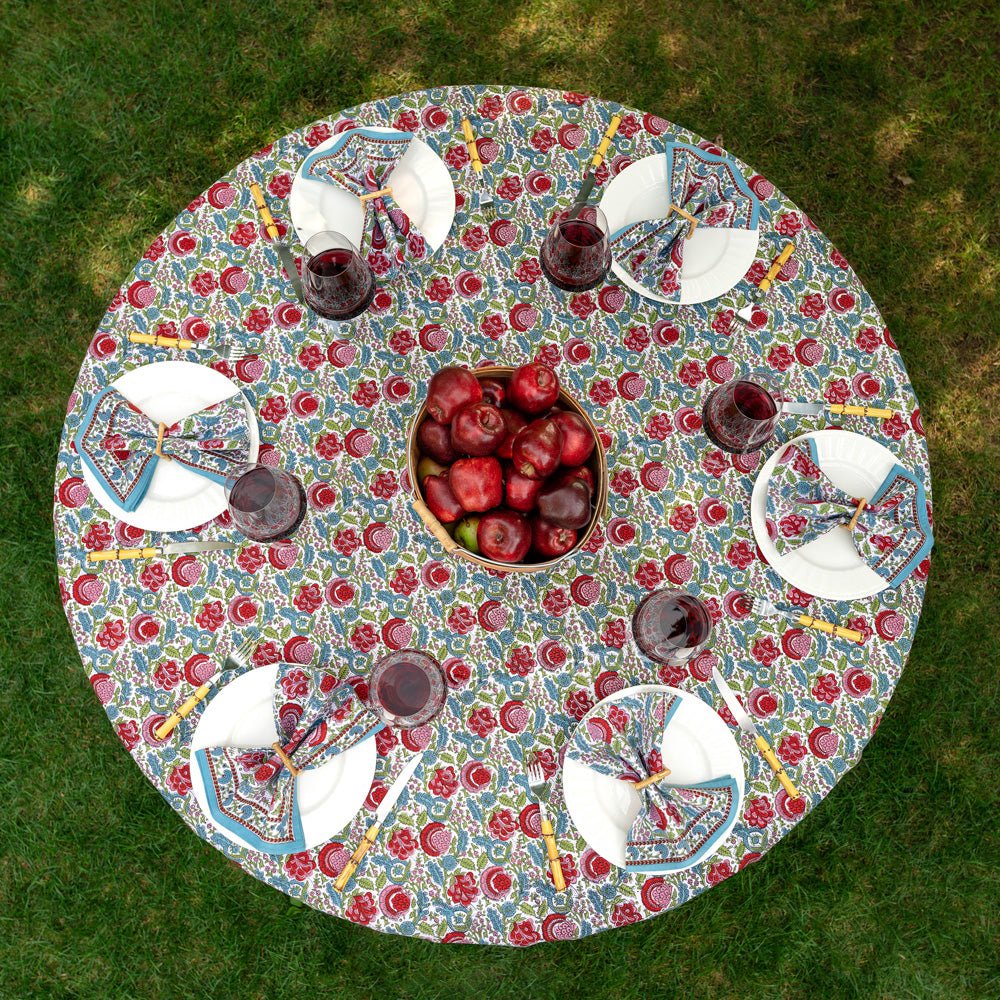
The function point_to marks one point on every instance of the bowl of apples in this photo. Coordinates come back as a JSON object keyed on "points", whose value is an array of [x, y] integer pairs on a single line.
{"points": [[507, 469]]}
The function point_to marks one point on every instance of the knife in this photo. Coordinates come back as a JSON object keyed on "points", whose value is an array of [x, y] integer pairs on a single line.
{"points": [[746, 313], [590, 178], [813, 409], [152, 551], [383, 810], [747, 725], [287, 259]]}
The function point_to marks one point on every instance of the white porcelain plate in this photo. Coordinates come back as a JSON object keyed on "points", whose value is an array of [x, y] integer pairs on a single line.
{"points": [[714, 259], [421, 186], [241, 715], [828, 567], [177, 498], [697, 746]]}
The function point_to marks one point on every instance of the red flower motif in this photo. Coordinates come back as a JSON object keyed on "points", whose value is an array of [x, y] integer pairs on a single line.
{"points": [[543, 139], [510, 188], [328, 446], [211, 616], [614, 634], [780, 358], [719, 872], [789, 223], [715, 463], [625, 913], [683, 517], [637, 339], [444, 782], [860, 624], [129, 734], [826, 689], [491, 107], [502, 824], [482, 722], [402, 342], [154, 576], [366, 393], [524, 933], [461, 619], [244, 234], [309, 598], [167, 675], [402, 844], [362, 908], [280, 185], [494, 326], [649, 575], [346, 541], [463, 889], [404, 581], [385, 486], [765, 651], [528, 271], [740, 555], [440, 290], [868, 339], [813, 306], [311, 357], [97, 536], [582, 305], [318, 134], [275, 409], [894, 427], [457, 156], [180, 779], [837, 259], [257, 320], [578, 704], [791, 749], [204, 284], [555, 602], [723, 322], [838, 391], [659, 427], [295, 684], [521, 661], [251, 559], [300, 866], [792, 525], [691, 374], [759, 812], [602, 391], [364, 638], [624, 482], [406, 121]]}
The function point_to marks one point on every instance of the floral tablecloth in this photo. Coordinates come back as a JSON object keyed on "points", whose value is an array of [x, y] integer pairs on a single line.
{"points": [[461, 857]]}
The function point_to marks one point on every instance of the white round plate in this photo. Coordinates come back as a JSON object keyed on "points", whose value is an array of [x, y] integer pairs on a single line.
{"points": [[242, 715], [829, 566], [714, 259], [421, 186], [697, 746], [177, 498]]}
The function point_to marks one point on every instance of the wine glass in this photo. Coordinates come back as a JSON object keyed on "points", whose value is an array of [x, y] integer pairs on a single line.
{"points": [[575, 253], [407, 688], [740, 416], [336, 281], [671, 626], [265, 504]]}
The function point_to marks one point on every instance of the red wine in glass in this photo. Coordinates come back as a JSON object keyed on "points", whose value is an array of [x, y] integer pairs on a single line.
{"points": [[740, 416], [407, 688], [575, 253], [266, 504], [671, 626], [336, 282]]}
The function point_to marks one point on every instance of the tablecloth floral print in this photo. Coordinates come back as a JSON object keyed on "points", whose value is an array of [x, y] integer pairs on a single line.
{"points": [[461, 857]]}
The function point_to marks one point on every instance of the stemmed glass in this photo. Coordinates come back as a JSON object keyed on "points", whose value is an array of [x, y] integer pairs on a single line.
{"points": [[265, 504], [671, 626], [740, 416], [336, 281], [575, 253], [407, 688]]}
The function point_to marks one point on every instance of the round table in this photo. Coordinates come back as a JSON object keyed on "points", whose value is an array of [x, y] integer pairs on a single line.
{"points": [[526, 655]]}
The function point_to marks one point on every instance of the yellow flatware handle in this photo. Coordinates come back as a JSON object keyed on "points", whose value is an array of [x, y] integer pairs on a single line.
{"points": [[265, 212], [779, 263], [602, 149], [768, 754], [179, 343], [366, 843], [166, 727], [861, 411], [555, 865], [114, 555], [840, 631], [470, 142]]}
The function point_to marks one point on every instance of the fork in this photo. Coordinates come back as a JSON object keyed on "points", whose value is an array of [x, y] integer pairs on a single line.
{"points": [[236, 660], [486, 205], [227, 350], [764, 608], [539, 785]]}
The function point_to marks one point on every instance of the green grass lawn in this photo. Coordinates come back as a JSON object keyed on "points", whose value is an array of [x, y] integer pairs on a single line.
{"points": [[875, 118]]}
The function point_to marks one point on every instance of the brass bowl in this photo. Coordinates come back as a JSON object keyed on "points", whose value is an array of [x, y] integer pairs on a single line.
{"points": [[597, 463]]}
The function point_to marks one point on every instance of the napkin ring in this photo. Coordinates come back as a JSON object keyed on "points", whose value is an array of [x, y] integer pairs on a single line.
{"points": [[285, 759], [652, 779], [161, 430], [685, 215], [375, 194], [854, 520]]}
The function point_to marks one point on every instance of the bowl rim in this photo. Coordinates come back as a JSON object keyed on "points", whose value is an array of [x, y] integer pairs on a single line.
{"points": [[453, 548]]}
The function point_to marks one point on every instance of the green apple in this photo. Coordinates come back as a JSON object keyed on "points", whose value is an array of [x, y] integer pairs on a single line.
{"points": [[428, 467], [465, 532]]}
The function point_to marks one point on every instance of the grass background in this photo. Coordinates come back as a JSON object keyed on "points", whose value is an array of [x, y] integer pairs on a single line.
{"points": [[878, 119]]}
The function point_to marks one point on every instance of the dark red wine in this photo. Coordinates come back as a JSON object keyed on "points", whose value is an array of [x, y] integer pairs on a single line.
{"points": [[330, 263], [267, 504], [754, 401], [338, 284], [739, 416], [404, 689], [575, 254], [671, 626], [253, 491], [581, 234]]}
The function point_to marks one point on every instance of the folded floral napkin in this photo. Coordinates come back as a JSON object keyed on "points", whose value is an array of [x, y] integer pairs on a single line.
{"points": [[252, 793], [361, 161], [677, 825], [117, 442], [707, 186], [892, 533]]}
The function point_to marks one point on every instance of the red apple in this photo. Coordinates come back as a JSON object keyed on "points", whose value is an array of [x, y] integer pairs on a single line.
{"points": [[494, 391], [504, 536], [533, 387], [513, 421], [450, 389], [579, 473], [536, 449], [435, 440], [567, 505], [520, 492], [441, 499], [428, 467], [551, 540], [477, 483], [477, 429], [578, 442]]}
